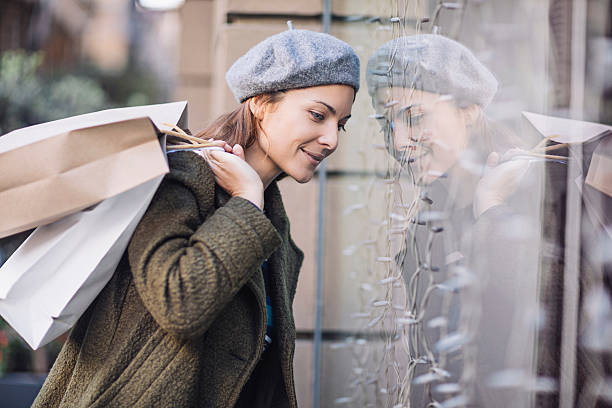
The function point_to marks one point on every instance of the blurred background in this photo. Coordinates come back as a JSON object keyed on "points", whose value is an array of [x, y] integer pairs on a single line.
{"points": [[61, 58]]}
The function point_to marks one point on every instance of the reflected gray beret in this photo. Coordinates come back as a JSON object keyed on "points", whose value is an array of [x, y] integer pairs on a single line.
{"points": [[293, 59], [431, 63]]}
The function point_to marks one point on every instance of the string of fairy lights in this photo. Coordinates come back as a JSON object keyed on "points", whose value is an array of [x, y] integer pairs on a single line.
{"points": [[399, 285]]}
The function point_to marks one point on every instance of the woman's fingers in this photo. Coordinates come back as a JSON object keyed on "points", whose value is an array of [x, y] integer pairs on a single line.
{"points": [[492, 159], [238, 151], [217, 143], [501, 179], [214, 156], [512, 153], [220, 143]]}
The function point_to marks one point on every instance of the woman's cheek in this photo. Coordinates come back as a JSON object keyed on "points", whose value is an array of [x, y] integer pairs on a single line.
{"points": [[401, 137]]}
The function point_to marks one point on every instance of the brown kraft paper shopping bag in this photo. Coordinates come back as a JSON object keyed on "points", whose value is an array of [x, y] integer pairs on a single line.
{"points": [[51, 178]]}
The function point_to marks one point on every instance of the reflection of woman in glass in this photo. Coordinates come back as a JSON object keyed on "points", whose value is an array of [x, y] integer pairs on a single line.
{"points": [[429, 93], [199, 312]]}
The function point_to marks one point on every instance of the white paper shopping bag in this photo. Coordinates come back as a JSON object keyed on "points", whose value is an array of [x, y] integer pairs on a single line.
{"points": [[47, 284]]}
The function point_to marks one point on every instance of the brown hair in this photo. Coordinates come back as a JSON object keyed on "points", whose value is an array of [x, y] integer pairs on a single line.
{"points": [[239, 126]]}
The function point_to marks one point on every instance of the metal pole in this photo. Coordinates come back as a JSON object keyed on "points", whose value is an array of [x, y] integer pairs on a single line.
{"points": [[327, 15], [318, 338], [571, 289]]}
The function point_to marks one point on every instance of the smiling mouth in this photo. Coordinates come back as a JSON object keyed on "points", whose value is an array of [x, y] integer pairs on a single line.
{"points": [[318, 158]]}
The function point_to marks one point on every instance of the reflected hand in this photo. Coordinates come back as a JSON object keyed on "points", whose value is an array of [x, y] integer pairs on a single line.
{"points": [[234, 174], [500, 180]]}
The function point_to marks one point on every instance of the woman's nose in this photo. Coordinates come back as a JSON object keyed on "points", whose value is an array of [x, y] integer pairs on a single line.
{"points": [[330, 137], [401, 137]]}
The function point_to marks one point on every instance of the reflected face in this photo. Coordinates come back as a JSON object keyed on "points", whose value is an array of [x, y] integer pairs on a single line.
{"points": [[427, 130], [302, 129]]}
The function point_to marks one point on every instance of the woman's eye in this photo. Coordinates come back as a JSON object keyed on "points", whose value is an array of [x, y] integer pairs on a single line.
{"points": [[341, 128], [412, 119], [383, 121], [317, 116]]}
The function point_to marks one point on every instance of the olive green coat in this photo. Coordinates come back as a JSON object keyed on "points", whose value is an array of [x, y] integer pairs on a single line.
{"points": [[182, 321]]}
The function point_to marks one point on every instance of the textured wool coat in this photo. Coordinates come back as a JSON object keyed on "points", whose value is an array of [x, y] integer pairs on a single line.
{"points": [[182, 321]]}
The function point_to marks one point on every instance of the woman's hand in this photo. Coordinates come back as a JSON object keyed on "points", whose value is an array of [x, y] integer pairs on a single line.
{"points": [[234, 174], [217, 143], [499, 180]]}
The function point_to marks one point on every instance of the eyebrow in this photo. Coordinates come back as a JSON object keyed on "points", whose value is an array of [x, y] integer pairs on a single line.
{"points": [[331, 109], [410, 107]]}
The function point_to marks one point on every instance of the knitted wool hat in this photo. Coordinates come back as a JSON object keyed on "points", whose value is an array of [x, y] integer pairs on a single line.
{"points": [[293, 59], [431, 63]]}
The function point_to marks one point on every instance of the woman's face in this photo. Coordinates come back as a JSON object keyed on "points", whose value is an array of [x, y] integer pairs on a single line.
{"points": [[302, 129], [428, 130]]}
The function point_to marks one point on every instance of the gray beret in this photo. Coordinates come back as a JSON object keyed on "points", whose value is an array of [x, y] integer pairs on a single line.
{"points": [[431, 63], [293, 59]]}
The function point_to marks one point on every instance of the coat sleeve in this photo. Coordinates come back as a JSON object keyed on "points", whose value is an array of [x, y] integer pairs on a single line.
{"points": [[505, 255], [189, 260]]}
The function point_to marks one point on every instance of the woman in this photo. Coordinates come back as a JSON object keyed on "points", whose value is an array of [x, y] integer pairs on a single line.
{"points": [[467, 235], [184, 321], [430, 92]]}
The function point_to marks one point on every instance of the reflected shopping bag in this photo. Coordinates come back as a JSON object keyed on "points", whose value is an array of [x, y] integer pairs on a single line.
{"points": [[57, 168], [55, 274]]}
